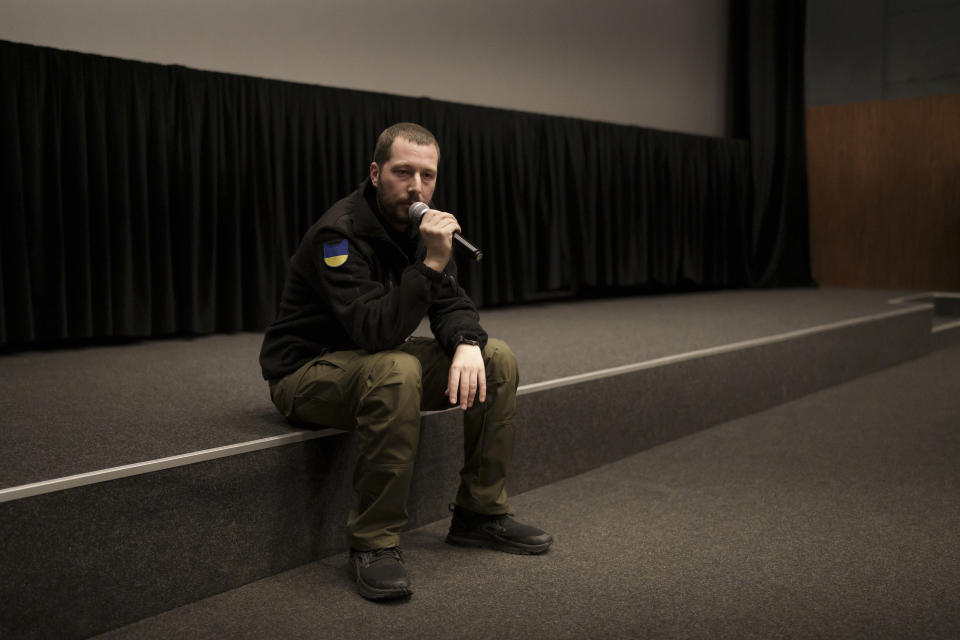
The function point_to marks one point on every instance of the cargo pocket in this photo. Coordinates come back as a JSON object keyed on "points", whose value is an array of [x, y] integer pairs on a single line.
{"points": [[319, 397]]}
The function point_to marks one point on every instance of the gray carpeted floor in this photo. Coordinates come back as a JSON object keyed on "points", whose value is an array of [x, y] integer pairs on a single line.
{"points": [[77, 410], [832, 516]]}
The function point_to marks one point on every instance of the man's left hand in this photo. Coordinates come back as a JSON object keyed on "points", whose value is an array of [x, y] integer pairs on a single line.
{"points": [[467, 378]]}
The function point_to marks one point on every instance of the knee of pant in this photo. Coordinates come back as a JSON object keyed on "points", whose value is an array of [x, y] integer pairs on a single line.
{"points": [[393, 368], [500, 362]]}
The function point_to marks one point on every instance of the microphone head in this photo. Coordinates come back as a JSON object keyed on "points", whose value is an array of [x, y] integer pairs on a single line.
{"points": [[417, 211]]}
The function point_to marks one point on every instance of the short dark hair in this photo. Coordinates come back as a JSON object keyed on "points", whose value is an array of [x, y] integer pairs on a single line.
{"points": [[406, 130]]}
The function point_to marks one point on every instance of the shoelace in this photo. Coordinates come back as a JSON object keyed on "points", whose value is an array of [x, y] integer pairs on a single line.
{"points": [[375, 556]]}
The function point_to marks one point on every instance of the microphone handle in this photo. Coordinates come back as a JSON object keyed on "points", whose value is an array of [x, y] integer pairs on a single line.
{"points": [[416, 212], [468, 246]]}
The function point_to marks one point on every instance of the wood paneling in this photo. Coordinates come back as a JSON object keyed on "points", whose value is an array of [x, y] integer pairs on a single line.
{"points": [[885, 193]]}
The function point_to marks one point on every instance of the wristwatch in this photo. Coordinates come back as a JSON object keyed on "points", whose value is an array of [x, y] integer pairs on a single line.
{"points": [[465, 339]]}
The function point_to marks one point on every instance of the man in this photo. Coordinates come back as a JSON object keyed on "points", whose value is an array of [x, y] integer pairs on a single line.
{"points": [[340, 355]]}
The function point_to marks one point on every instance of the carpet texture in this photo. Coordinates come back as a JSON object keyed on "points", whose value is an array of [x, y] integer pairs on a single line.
{"points": [[833, 516], [78, 410]]}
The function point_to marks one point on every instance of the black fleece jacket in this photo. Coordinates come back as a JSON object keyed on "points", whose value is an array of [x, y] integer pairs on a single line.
{"points": [[373, 300]]}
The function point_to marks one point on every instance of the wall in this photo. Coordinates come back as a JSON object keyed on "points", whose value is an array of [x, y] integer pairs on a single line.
{"points": [[885, 194], [658, 63], [883, 141], [863, 50]]}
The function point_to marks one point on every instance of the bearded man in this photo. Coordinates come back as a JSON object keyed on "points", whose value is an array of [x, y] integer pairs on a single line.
{"points": [[340, 354]]}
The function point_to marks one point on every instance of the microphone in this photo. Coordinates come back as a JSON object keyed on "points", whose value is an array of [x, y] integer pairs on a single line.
{"points": [[417, 211]]}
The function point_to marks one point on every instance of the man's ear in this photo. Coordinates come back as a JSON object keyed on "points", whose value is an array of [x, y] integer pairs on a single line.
{"points": [[374, 173]]}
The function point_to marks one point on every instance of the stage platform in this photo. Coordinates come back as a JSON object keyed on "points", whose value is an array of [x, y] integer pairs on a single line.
{"points": [[832, 516], [139, 477], [80, 410]]}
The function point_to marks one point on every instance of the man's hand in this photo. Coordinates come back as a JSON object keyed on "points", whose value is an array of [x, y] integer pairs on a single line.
{"points": [[467, 377], [437, 229]]}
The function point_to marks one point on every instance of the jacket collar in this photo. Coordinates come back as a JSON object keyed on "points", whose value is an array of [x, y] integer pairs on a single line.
{"points": [[367, 219]]}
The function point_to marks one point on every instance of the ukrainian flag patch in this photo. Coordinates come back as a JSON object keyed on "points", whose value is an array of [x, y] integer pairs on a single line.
{"points": [[335, 253]]}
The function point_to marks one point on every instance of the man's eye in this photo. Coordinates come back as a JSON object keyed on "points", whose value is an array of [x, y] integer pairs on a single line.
{"points": [[428, 176]]}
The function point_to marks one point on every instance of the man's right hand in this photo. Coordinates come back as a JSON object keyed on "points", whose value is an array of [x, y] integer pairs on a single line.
{"points": [[437, 229]]}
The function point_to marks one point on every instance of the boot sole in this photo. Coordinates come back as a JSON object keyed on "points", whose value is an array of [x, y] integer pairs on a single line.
{"points": [[372, 593], [378, 595], [498, 545]]}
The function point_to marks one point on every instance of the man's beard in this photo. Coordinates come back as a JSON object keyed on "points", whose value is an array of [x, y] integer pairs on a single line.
{"points": [[393, 213]]}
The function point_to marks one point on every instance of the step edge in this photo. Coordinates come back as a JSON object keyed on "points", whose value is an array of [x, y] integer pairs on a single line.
{"points": [[52, 485], [159, 464], [719, 349]]}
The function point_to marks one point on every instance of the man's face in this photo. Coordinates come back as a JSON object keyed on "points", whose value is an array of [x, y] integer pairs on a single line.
{"points": [[410, 175]]}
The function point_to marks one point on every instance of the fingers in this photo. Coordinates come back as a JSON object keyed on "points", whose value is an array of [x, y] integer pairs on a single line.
{"points": [[439, 222], [437, 229], [464, 385], [453, 384], [467, 380], [468, 390]]}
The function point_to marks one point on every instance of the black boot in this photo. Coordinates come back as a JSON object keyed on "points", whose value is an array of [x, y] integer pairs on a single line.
{"points": [[500, 532], [380, 573]]}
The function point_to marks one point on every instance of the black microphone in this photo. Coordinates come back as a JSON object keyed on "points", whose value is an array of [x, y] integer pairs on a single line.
{"points": [[418, 209]]}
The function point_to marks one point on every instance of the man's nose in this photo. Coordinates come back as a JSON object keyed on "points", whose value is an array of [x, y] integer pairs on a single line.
{"points": [[416, 185]]}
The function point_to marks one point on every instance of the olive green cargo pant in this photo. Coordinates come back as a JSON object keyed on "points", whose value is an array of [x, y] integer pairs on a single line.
{"points": [[379, 396]]}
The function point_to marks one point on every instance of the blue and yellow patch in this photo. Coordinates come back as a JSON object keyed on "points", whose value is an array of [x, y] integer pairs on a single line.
{"points": [[335, 253]]}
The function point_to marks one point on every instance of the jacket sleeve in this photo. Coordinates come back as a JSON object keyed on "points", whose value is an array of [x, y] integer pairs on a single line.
{"points": [[453, 314], [376, 316]]}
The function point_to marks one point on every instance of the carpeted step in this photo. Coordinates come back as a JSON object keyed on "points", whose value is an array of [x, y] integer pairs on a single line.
{"points": [[833, 516], [86, 559]]}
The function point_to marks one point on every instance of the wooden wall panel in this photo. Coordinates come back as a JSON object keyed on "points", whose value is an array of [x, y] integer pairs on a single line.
{"points": [[885, 193]]}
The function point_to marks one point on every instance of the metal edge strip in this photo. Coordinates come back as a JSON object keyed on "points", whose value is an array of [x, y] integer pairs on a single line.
{"points": [[913, 297], [947, 326], [710, 351], [160, 464], [927, 295]]}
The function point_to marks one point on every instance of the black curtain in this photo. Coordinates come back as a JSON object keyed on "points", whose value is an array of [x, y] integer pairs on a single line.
{"points": [[766, 106], [144, 200]]}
